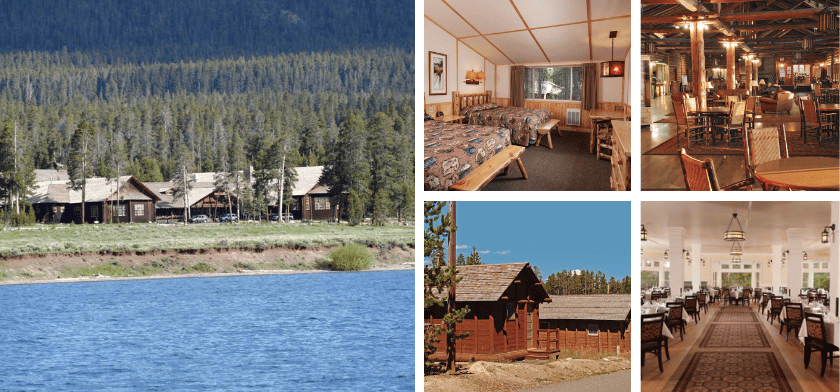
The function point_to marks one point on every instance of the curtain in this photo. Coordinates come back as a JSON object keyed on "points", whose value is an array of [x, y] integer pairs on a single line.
{"points": [[517, 85], [589, 98]]}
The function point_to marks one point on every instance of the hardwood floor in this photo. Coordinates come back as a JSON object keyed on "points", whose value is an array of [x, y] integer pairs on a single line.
{"points": [[789, 354], [663, 172]]}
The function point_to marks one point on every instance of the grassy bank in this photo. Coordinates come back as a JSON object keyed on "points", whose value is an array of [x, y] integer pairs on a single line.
{"points": [[51, 239]]}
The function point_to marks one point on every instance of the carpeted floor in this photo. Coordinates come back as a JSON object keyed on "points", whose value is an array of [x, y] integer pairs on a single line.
{"points": [[734, 316], [568, 167], [733, 371], [740, 335], [796, 147]]}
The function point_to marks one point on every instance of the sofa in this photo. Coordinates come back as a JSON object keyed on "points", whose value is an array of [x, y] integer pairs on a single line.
{"points": [[781, 101]]}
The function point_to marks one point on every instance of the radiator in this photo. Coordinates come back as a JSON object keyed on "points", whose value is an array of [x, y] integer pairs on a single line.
{"points": [[573, 117]]}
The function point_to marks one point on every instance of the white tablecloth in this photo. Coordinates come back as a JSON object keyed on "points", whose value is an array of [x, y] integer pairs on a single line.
{"points": [[653, 309], [832, 325]]}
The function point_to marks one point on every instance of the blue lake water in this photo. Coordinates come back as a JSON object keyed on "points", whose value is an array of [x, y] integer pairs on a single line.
{"points": [[308, 332]]}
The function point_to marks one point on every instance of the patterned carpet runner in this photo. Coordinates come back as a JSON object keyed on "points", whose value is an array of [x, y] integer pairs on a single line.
{"points": [[734, 355]]}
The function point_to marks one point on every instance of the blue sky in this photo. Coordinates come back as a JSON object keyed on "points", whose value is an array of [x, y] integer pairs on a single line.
{"points": [[553, 235]]}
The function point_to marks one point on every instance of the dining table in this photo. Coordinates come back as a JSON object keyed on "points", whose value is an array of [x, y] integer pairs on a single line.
{"points": [[654, 309], [807, 173], [601, 115]]}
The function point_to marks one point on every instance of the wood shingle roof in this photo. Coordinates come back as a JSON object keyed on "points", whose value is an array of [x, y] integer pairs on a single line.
{"points": [[488, 282], [587, 307]]}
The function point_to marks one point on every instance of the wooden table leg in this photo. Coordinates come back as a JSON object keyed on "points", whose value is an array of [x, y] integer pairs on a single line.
{"points": [[521, 168], [592, 137]]}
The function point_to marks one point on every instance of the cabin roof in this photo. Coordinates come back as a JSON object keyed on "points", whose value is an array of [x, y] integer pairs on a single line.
{"points": [[97, 190], [488, 282], [587, 307]]}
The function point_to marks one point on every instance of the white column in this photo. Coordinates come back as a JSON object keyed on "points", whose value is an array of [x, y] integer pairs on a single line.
{"points": [[810, 277], [776, 272], [794, 263], [834, 263], [696, 264], [661, 281], [675, 249], [756, 266]]}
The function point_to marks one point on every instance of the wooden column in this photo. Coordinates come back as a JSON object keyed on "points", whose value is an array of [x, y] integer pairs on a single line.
{"points": [[730, 67], [698, 64], [748, 72]]}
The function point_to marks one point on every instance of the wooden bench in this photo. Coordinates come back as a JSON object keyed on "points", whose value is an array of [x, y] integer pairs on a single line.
{"points": [[485, 173], [545, 129]]}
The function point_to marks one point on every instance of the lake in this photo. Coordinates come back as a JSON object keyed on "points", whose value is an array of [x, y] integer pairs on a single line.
{"points": [[311, 332]]}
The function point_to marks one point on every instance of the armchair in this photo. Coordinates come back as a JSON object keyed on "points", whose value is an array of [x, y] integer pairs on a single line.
{"points": [[781, 102]]}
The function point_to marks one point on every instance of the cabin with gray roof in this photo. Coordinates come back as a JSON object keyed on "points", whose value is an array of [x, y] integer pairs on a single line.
{"points": [[504, 302], [126, 200], [597, 322]]}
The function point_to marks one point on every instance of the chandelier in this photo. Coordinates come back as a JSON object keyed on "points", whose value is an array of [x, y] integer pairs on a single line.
{"points": [[734, 235], [735, 250]]}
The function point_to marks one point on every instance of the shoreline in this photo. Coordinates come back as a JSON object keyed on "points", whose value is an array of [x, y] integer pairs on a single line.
{"points": [[407, 266]]}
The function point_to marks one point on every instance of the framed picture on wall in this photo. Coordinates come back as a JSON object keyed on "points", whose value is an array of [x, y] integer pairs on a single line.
{"points": [[437, 73]]}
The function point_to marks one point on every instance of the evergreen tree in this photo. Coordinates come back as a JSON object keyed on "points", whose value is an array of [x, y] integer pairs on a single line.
{"points": [[182, 181], [347, 171], [79, 159]]}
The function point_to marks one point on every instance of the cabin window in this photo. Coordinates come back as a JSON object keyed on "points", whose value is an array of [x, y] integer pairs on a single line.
{"points": [[511, 311], [555, 83], [118, 210], [306, 203], [295, 206], [78, 210], [592, 330], [139, 210], [37, 209], [322, 203], [94, 212]]}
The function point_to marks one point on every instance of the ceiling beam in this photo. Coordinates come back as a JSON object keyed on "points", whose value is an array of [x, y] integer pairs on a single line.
{"points": [[746, 16], [775, 26], [654, 2]]}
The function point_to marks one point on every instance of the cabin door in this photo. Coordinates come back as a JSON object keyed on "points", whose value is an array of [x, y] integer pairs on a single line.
{"points": [[529, 322]]}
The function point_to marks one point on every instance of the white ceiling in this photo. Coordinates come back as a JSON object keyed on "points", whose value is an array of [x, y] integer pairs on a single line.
{"points": [[536, 31], [765, 224]]}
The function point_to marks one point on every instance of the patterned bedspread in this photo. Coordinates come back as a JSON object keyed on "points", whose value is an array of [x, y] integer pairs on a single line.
{"points": [[451, 151], [522, 122]]}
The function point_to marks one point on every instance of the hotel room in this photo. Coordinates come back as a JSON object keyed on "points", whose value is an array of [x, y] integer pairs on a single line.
{"points": [[542, 84]]}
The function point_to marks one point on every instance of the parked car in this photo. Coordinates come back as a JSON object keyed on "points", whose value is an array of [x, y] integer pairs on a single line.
{"points": [[285, 217], [229, 218], [199, 219]]}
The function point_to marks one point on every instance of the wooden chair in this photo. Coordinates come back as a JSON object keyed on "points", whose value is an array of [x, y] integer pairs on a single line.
{"points": [[675, 320], [734, 127], [691, 307], [702, 302], [745, 298], [652, 336], [765, 299], [813, 122], [749, 113], [764, 145], [816, 340], [775, 309], [757, 295], [701, 176], [654, 296], [692, 132], [724, 296], [793, 319]]}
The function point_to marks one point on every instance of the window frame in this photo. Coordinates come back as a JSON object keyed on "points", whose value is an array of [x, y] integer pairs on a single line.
{"points": [[321, 203], [589, 329], [571, 82], [141, 210]]}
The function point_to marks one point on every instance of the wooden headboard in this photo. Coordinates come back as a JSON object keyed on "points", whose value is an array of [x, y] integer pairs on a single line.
{"points": [[460, 101]]}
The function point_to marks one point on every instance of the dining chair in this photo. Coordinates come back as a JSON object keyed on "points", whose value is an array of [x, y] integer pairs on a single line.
{"points": [[733, 298], [765, 299], [813, 122], [757, 296], [700, 175], [702, 301], [764, 145], [816, 339], [745, 297], [692, 132], [749, 112], [652, 336], [725, 296], [775, 309], [675, 319], [691, 307], [793, 319], [734, 126]]}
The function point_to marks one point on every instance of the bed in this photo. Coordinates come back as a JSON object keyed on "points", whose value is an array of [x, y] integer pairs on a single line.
{"points": [[521, 122], [451, 151]]}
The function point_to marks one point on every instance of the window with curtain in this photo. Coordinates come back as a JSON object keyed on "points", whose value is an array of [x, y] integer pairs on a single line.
{"points": [[554, 83]]}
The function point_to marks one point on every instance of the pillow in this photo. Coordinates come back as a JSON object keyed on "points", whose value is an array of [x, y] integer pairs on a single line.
{"points": [[483, 106], [427, 117]]}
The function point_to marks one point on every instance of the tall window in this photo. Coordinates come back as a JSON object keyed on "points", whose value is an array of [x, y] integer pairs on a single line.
{"points": [[139, 210], [119, 210], [322, 203], [557, 83]]}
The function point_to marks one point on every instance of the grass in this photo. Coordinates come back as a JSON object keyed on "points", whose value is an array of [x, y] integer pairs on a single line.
{"points": [[584, 354], [46, 239]]}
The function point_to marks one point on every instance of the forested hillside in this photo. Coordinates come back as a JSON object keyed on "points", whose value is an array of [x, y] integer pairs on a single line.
{"points": [[214, 86]]}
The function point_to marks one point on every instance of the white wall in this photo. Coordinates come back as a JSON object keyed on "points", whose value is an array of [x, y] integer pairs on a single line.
{"points": [[437, 40], [609, 89], [469, 60], [502, 81], [490, 73]]}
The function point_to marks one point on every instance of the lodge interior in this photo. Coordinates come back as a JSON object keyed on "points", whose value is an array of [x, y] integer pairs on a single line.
{"points": [[780, 58], [766, 306], [472, 53]]}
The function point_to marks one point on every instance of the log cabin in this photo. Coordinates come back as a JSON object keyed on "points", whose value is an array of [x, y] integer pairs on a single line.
{"points": [[770, 55], [597, 322], [538, 83], [57, 202], [504, 302]]}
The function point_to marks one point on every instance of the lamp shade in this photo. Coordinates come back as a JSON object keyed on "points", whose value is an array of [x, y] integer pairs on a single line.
{"points": [[480, 75], [612, 69], [471, 75]]}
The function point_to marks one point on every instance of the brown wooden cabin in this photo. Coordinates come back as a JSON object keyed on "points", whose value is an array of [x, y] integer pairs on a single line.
{"points": [[597, 322], [56, 202], [504, 302], [312, 200]]}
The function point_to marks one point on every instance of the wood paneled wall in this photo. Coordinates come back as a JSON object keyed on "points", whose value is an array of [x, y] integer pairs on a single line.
{"points": [[573, 336], [433, 108], [558, 109]]}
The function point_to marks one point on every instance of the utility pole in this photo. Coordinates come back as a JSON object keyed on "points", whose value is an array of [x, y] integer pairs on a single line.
{"points": [[186, 198], [282, 183], [450, 304]]}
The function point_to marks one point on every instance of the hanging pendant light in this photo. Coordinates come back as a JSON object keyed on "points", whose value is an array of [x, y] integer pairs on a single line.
{"points": [[734, 235], [666, 255], [826, 20], [736, 259], [826, 234], [735, 250], [644, 233], [807, 43], [613, 68], [805, 256]]}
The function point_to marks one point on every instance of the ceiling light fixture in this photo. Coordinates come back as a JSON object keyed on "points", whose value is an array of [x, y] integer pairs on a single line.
{"points": [[735, 250], [805, 256], [644, 233], [612, 68], [825, 233], [734, 235], [736, 259], [666, 255]]}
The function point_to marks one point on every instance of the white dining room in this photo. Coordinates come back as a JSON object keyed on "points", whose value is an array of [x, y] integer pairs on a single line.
{"points": [[739, 294]]}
